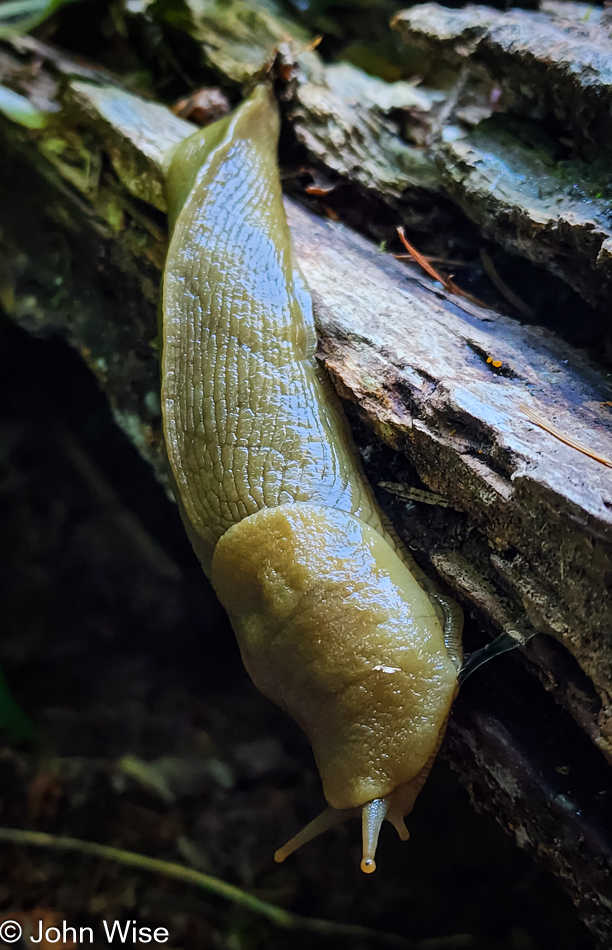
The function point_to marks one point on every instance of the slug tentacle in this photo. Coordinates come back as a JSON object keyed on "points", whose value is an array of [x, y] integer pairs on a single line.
{"points": [[334, 620], [329, 818], [372, 816]]}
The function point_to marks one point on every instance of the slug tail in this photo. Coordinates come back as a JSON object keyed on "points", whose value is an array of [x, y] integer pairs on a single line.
{"points": [[323, 822], [372, 816]]}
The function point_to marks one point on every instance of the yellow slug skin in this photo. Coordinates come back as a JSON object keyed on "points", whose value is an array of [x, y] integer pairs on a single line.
{"points": [[332, 624], [335, 629], [249, 421]]}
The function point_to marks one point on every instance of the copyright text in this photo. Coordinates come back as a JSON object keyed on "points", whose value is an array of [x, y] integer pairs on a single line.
{"points": [[113, 931]]}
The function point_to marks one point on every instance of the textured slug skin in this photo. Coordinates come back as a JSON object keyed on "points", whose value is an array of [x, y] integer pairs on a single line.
{"points": [[331, 623], [250, 420]]}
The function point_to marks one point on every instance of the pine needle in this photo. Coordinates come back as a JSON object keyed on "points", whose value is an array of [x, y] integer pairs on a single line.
{"points": [[408, 493], [503, 288], [449, 285], [558, 434]]}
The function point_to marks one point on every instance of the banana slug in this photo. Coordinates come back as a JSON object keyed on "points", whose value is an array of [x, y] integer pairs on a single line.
{"points": [[334, 621]]}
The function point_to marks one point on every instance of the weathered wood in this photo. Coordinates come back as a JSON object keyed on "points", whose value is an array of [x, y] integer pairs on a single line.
{"points": [[416, 362], [547, 62], [547, 202], [527, 542], [542, 195], [342, 117]]}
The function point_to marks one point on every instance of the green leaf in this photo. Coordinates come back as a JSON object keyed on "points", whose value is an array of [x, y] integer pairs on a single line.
{"points": [[21, 16], [19, 109]]}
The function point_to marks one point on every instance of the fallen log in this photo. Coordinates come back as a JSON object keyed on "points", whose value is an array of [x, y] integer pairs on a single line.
{"points": [[470, 404]]}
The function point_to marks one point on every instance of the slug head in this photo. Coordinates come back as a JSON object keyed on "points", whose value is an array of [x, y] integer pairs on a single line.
{"points": [[334, 628]]}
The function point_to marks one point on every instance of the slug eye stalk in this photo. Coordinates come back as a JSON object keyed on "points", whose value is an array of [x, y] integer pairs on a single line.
{"points": [[372, 816]]}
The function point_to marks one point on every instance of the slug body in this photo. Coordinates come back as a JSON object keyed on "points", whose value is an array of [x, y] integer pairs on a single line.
{"points": [[331, 616]]}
